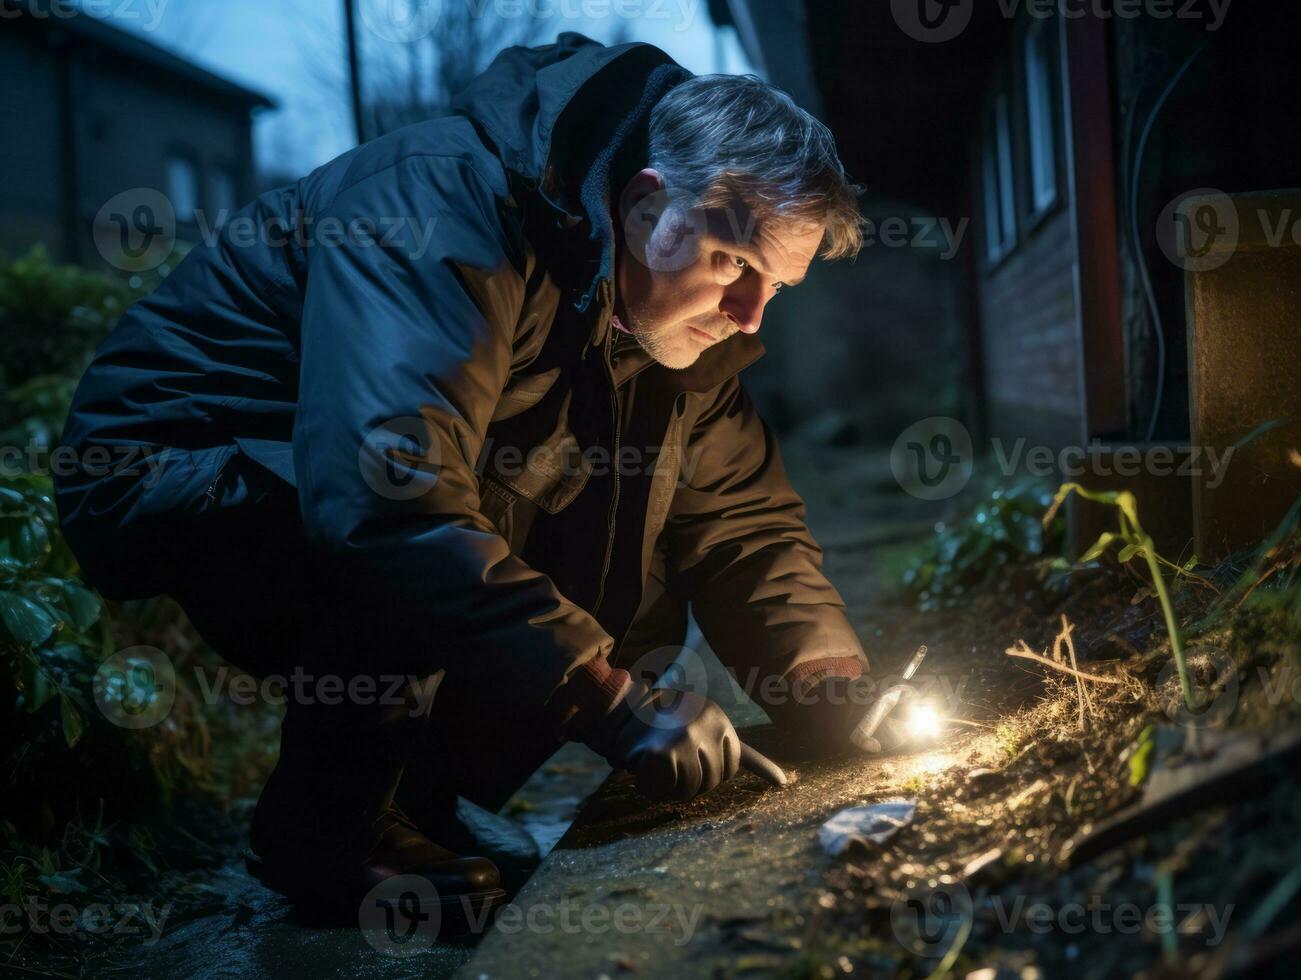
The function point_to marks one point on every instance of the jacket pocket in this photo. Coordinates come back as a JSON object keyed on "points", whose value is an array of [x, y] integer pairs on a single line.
{"points": [[522, 394], [549, 474], [496, 503]]}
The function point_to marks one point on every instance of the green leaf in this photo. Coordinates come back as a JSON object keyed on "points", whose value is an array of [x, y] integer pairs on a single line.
{"points": [[1026, 533], [1128, 552], [1128, 505], [1140, 756], [1099, 546], [26, 539], [83, 606], [63, 882], [33, 681], [28, 623], [71, 720]]}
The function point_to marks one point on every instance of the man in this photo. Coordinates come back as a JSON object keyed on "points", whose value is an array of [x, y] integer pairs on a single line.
{"points": [[501, 456]]}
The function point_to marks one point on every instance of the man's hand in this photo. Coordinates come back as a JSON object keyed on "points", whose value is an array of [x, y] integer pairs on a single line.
{"points": [[824, 715], [830, 714], [881, 729], [679, 744]]}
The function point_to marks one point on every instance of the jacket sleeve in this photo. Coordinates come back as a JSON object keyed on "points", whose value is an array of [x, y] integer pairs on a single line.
{"points": [[741, 552], [406, 349]]}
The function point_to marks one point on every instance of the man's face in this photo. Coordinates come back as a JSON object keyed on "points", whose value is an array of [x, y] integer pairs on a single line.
{"points": [[688, 279]]}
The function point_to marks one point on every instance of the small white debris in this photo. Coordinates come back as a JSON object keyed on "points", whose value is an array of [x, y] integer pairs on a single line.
{"points": [[876, 823]]}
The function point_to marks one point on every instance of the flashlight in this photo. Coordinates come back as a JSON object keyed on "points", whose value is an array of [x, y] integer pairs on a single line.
{"points": [[862, 736]]}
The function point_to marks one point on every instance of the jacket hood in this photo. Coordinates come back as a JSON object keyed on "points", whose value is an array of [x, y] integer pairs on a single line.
{"points": [[568, 118], [563, 116], [528, 101]]}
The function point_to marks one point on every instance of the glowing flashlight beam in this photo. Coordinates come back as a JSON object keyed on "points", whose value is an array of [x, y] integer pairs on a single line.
{"points": [[923, 723]]}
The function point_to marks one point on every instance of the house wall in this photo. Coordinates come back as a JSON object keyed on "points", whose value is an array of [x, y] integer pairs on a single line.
{"points": [[127, 119], [31, 193], [1031, 348], [1026, 304], [121, 150], [1229, 125]]}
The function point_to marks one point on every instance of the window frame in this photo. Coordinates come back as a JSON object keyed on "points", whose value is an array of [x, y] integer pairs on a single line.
{"points": [[998, 174], [216, 174], [183, 155], [1036, 206]]}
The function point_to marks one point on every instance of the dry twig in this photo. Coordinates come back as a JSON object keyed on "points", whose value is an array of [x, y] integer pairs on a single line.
{"points": [[1064, 637], [1025, 653]]}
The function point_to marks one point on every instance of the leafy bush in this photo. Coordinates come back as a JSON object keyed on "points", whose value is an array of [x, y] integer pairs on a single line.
{"points": [[1002, 528], [52, 317], [77, 788], [45, 611]]}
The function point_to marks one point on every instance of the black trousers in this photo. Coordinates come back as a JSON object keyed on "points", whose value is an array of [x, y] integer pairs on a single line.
{"points": [[250, 588]]}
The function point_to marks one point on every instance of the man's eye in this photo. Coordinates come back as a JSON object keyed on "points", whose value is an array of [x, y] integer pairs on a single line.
{"points": [[729, 267]]}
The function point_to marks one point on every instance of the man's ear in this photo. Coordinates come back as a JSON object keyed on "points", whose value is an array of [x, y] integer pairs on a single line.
{"points": [[642, 191]]}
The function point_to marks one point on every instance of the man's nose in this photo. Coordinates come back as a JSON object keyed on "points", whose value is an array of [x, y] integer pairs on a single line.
{"points": [[744, 308]]}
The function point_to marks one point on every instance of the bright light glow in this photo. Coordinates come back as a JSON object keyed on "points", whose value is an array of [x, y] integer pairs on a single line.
{"points": [[923, 722]]}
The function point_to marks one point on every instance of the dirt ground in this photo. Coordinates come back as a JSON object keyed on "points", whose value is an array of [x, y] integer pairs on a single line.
{"points": [[986, 874]]}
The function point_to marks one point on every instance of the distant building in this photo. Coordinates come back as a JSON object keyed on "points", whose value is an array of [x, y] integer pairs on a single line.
{"points": [[92, 111]]}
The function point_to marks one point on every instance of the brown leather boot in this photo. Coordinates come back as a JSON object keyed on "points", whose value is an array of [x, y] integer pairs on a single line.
{"points": [[332, 888], [326, 832]]}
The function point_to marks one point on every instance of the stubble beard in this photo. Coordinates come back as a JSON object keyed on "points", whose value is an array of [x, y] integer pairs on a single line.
{"points": [[672, 346], [665, 346]]}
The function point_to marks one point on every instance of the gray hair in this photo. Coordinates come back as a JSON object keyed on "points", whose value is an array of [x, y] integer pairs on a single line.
{"points": [[730, 138]]}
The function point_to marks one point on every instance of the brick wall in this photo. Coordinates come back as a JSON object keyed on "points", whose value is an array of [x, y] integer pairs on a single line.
{"points": [[1028, 328]]}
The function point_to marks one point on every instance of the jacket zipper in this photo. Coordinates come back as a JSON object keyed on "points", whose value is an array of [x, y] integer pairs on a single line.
{"points": [[614, 500], [211, 492]]}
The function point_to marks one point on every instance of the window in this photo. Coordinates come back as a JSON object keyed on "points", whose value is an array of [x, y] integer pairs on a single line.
{"points": [[183, 187], [1040, 131], [1000, 200], [224, 195]]}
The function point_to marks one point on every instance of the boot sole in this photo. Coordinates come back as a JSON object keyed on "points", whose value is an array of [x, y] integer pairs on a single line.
{"points": [[458, 913]]}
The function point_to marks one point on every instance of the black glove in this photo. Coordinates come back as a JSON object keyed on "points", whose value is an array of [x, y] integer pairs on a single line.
{"points": [[823, 715], [679, 744]]}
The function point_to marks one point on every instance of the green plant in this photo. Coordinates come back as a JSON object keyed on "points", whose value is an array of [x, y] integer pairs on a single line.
{"points": [[35, 412], [1003, 527], [1134, 542], [1277, 558], [52, 316], [45, 611]]}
